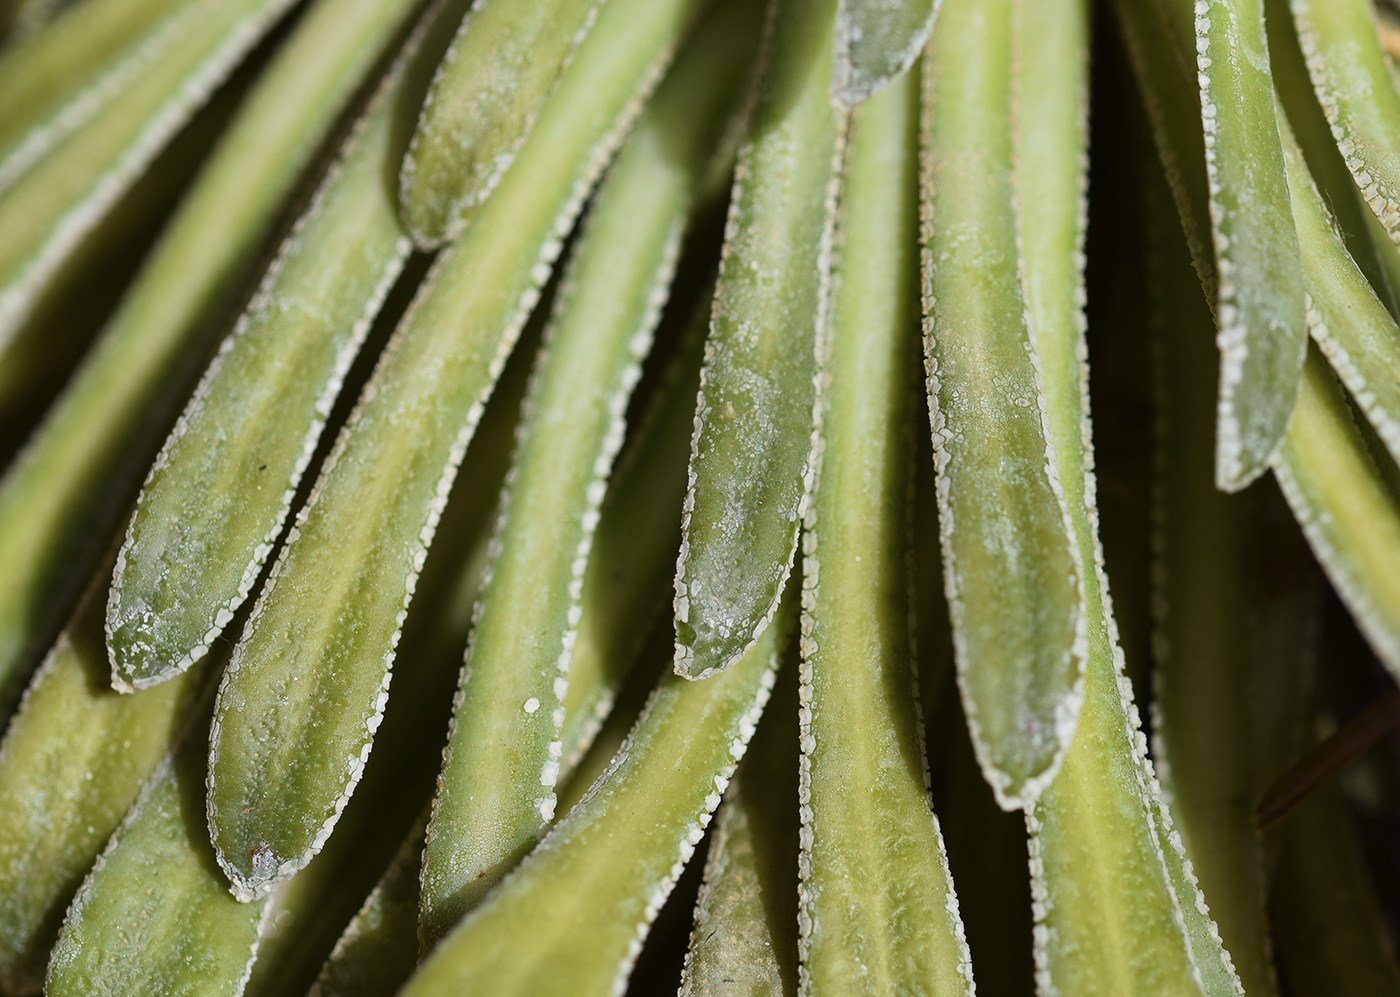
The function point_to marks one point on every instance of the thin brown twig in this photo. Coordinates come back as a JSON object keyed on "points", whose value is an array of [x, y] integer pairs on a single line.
{"points": [[1346, 744]]}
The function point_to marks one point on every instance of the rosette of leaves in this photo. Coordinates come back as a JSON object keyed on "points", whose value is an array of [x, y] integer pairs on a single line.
{"points": [[766, 496]]}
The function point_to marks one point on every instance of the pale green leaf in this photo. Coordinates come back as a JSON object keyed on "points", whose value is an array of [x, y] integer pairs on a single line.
{"points": [[1259, 296], [488, 92], [876, 40], [752, 459], [72, 763], [1012, 571], [878, 910], [505, 751], [572, 918], [222, 487], [65, 492], [320, 646]]}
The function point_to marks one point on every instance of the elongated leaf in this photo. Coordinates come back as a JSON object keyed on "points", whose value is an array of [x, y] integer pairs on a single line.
{"points": [[1011, 568], [744, 937], [301, 921], [876, 40], [751, 462], [55, 80], [1259, 305], [878, 908], [73, 762], [634, 551], [492, 86], [222, 487], [49, 205], [1203, 732], [63, 495], [1117, 910], [315, 908], [1254, 280], [502, 761], [153, 917], [1366, 240], [583, 901], [1346, 512], [319, 650], [1348, 322], [1354, 84]]}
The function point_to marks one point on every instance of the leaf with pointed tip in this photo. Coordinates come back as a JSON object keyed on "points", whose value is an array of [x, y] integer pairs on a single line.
{"points": [[1116, 907], [505, 750], [1259, 295], [221, 489], [752, 457], [61, 499], [1012, 571], [572, 918], [301, 701], [876, 40], [492, 85], [878, 908]]}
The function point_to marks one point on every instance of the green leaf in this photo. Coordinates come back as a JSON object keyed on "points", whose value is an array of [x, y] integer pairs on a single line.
{"points": [[1355, 85], [752, 459], [1117, 909], [52, 197], [505, 751], [63, 495], [319, 649], [1366, 240], [153, 916], [491, 87], [302, 920], [54, 81], [221, 489], [1353, 329], [633, 559], [878, 908], [1204, 708], [1346, 512], [572, 918], [744, 936], [876, 40], [1012, 571], [73, 762], [1259, 300]]}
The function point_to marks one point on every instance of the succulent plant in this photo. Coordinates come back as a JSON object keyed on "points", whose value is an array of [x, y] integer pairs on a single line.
{"points": [[600, 496]]}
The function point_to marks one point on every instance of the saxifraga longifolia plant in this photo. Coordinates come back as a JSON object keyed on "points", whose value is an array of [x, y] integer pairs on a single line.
{"points": [[776, 497]]}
